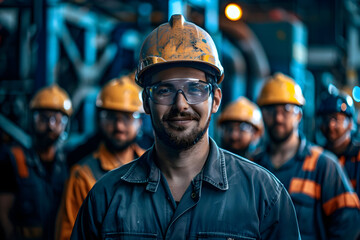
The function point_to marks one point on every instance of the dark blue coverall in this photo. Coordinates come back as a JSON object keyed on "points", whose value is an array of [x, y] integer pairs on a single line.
{"points": [[37, 188], [231, 198], [325, 203]]}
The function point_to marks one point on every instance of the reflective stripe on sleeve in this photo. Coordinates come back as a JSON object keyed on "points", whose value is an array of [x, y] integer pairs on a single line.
{"points": [[344, 200], [306, 187]]}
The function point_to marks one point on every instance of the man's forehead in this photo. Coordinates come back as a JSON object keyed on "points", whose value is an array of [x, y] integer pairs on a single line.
{"points": [[234, 122], [279, 105], [48, 112], [115, 112], [336, 114], [178, 72]]}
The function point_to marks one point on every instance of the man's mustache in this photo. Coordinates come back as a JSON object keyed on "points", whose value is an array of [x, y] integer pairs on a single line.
{"points": [[176, 114]]}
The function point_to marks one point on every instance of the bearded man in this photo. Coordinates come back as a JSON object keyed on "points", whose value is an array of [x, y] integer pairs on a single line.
{"points": [[326, 205], [185, 187], [119, 108]]}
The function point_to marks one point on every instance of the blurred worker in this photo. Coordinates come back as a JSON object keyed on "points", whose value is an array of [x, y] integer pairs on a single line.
{"points": [[185, 187], [337, 111], [32, 180], [326, 206], [119, 107], [241, 127]]}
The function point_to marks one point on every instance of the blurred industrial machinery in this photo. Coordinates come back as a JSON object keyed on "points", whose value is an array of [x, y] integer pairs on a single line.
{"points": [[82, 44]]}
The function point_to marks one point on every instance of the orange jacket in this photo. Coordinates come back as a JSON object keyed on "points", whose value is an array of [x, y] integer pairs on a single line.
{"points": [[82, 178]]}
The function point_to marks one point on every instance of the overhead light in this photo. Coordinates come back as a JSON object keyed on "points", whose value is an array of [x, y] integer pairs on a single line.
{"points": [[233, 12]]}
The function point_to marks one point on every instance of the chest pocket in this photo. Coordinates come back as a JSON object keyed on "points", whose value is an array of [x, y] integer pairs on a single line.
{"points": [[222, 236], [130, 236], [26, 200], [306, 214]]}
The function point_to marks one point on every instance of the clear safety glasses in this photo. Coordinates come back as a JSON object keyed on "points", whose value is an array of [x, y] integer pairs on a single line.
{"points": [[337, 119], [112, 117], [165, 92], [229, 128], [283, 109], [54, 118]]}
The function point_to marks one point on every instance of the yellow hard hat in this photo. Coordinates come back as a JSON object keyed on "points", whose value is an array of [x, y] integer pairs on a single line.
{"points": [[242, 110], [53, 98], [120, 94], [179, 41], [281, 89]]}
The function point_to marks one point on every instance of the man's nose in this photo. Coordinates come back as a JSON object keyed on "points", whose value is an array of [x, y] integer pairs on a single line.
{"points": [[331, 123], [51, 123], [120, 123], [278, 115], [180, 100], [235, 134]]}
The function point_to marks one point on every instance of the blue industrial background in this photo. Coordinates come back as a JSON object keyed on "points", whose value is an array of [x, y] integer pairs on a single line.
{"points": [[82, 44]]}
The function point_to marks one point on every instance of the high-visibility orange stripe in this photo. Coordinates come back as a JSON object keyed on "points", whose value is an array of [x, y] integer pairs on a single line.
{"points": [[311, 161], [344, 200], [353, 182], [307, 187], [20, 162], [342, 160]]}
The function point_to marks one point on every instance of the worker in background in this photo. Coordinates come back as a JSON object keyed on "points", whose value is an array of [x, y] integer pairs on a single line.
{"points": [[325, 203], [241, 127], [336, 112], [119, 108], [32, 180], [185, 187]]}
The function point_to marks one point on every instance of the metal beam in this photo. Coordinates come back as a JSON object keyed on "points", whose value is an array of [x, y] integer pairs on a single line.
{"points": [[15, 132]]}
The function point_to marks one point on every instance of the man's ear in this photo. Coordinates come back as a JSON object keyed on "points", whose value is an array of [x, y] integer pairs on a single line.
{"points": [[299, 116], [145, 99], [298, 119], [257, 134], [217, 100]]}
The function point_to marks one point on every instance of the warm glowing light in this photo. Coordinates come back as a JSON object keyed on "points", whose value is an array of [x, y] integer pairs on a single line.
{"points": [[233, 12]]}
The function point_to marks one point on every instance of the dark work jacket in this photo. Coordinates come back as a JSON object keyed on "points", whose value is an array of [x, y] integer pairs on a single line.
{"points": [[326, 205], [350, 160], [38, 193], [231, 198]]}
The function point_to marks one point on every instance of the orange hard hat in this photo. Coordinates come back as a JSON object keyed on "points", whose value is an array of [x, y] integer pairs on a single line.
{"points": [[120, 94], [281, 89], [52, 98], [242, 110], [179, 42]]}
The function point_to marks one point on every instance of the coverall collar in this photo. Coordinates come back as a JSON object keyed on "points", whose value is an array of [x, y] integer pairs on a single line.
{"points": [[146, 171], [109, 161], [302, 151]]}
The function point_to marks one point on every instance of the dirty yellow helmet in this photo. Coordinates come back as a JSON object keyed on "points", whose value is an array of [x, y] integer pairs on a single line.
{"points": [[52, 98], [120, 94], [242, 110], [179, 42], [281, 89]]}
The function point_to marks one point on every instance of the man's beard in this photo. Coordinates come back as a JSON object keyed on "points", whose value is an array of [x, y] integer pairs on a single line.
{"points": [[117, 146], [279, 139], [44, 140], [176, 140]]}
